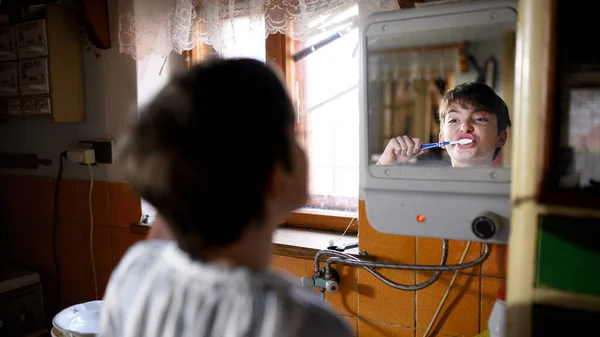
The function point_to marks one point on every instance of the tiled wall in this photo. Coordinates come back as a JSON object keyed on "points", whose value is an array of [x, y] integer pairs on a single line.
{"points": [[371, 307], [26, 213], [376, 309]]}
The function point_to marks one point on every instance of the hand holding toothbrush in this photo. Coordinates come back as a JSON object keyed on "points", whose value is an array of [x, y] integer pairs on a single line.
{"points": [[401, 149]]}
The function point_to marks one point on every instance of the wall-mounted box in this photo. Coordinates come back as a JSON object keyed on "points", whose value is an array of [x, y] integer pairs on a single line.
{"points": [[41, 67]]}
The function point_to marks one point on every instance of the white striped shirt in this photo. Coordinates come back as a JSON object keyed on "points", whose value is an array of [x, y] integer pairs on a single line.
{"points": [[158, 290]]}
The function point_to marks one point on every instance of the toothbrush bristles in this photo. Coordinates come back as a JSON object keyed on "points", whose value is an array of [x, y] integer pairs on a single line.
{"points": [[465, 141]]}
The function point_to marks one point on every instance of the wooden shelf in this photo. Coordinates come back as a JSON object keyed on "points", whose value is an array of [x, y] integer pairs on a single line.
{"points": [[567, 300], [568, 211]]}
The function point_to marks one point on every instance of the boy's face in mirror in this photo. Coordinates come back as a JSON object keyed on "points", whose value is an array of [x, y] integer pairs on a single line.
{"points": [[480, 126]]}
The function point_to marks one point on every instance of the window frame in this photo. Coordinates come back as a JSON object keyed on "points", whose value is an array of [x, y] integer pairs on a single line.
{"points": [[279, 52], [279, 49]]}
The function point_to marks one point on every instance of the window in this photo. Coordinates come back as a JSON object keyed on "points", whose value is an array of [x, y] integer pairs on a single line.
{"points": [[243, 43], [324, 87], [237, 41], [324, 82], [328, 111]]}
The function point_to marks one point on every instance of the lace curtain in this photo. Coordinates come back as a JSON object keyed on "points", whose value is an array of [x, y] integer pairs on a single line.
{"points": [[158, 27]]}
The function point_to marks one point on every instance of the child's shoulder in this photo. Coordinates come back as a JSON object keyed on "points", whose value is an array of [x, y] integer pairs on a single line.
{"points": [[148, 247]]}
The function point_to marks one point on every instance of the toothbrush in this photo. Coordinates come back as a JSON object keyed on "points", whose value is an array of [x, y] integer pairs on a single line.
{"points": [[463, 141]]}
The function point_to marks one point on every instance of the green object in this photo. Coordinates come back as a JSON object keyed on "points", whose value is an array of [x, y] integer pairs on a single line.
{"points": [[485, 333], [569, 254]]}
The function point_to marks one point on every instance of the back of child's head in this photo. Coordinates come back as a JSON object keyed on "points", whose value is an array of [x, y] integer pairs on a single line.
{"points": [[204, 149], [476, 96]]}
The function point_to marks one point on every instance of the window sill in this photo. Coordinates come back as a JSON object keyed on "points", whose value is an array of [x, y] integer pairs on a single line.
{"points": [[305, 243], [324, 220], [295, 242]]}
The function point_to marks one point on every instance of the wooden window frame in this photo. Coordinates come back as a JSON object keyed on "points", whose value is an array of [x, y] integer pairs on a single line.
{"points": [[279, 49], [279, 52]]}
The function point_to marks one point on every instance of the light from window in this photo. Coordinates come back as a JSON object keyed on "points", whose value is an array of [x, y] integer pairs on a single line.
{"points": [[326, 87], [244, 37]]}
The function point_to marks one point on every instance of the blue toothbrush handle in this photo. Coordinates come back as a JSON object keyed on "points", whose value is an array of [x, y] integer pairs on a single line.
{"points": [[431, 145]]}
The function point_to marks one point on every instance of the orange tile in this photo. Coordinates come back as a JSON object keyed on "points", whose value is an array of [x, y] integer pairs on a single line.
{"points": [[495, 265], [429, 251], [380, 302], [460, 313], [102, 245], [386, 247], [345, 301], [122, 239], [102, 276], [76, 284], [101, 279], [421, 333], [368, 328], [38, 247], [73, 244], [353, 323], [40, 197], [13, 200], [68, 202], [291, 266], [125, 205], [489, 291], [99, 202], [38, 219]]}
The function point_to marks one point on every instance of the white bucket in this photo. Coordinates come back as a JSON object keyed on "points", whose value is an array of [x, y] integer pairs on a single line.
{"points": [[79, 320]]}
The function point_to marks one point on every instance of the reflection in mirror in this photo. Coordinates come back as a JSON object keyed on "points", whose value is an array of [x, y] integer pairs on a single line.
{"points": [[435, 86]]}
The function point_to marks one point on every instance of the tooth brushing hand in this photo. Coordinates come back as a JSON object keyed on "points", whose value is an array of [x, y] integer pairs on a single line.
{"points": [[400, 150]]}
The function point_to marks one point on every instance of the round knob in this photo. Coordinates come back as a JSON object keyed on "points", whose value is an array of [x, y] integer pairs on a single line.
{"points": [[487, 225], [332, 286]]}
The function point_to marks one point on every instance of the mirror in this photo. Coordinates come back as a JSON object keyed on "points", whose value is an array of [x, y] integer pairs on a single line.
{"points": [[411, 65], [410, 61]]}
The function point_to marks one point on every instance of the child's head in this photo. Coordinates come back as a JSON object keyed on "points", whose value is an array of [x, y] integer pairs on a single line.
{"points": [[473, 110], [215, 153]]}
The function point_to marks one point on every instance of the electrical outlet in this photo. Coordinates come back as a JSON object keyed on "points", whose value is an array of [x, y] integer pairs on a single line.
{"points": [[104, 150]]}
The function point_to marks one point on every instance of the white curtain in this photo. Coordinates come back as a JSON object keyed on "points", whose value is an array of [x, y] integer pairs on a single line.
{"points": [[148, 27]]}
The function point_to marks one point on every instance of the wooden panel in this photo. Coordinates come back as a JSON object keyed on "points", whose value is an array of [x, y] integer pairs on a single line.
{"points": [[65, 65], [567, 300], [531, 106], [276, 51]]}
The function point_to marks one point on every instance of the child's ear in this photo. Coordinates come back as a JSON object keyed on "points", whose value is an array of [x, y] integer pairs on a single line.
{"points": [[440, 137], [277, 182], [502, 138]]}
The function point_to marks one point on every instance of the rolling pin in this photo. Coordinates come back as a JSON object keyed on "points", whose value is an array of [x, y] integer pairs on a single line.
{"points": [[22, 161]]}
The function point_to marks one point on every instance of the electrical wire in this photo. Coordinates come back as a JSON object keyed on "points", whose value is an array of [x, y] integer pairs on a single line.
{"points": [[437, 312], [92, 231], [55, 227]]}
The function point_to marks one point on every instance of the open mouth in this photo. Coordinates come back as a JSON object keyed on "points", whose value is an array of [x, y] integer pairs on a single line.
{"points": [[466, 146]]}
